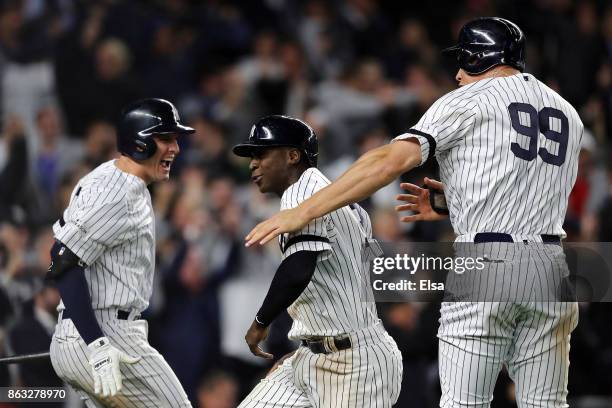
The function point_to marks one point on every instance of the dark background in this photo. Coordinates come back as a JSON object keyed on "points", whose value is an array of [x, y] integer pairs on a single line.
{"points": [[359, 71]]}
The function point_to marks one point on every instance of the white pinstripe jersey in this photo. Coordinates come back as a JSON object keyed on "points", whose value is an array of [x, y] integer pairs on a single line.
{"points": [[110, 225], [508, 154], [334, 301]]}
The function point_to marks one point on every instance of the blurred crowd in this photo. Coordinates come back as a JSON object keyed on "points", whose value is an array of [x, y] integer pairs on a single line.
{"points": [[359, 71]]}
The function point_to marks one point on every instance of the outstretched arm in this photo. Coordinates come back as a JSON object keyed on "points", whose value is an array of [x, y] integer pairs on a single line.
{"points": [[369, 173]]}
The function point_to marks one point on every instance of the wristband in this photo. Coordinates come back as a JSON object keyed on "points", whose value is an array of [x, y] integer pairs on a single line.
{"points": [[437, 200], [259, 322]]}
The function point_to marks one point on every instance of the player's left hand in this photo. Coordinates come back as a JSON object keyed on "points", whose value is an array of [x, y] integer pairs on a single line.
{"points": [[418, 202], [104, 359], [285, 221], [255, 335]]}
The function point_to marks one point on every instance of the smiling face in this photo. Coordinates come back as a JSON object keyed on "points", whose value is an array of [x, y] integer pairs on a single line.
{"points": [[157, 168], [272, 168]]}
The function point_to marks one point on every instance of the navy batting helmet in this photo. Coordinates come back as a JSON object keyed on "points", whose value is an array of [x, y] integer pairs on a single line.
{"points": [[487, 42], [279, 131], [141, 120]]}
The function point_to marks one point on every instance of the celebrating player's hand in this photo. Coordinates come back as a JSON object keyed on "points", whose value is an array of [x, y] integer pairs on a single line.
{"points": [[285, 221], [418, 202], [255, 335], [104, 360]]}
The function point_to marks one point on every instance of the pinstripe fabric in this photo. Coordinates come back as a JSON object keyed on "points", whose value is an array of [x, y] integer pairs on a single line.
{"points": [[338, 300], [367, 375], [500, 146], [148, 383], [513, 272], [530, 334], [332, 303], [515, 335], [487, 187], [110, 225]]}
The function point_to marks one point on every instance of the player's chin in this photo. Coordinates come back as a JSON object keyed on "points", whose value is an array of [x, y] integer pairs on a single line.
{"points": [[263, 188], [163, 175]]}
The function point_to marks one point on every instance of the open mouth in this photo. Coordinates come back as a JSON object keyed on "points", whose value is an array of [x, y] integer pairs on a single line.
{"points": [[256, 179], [166, 164]]}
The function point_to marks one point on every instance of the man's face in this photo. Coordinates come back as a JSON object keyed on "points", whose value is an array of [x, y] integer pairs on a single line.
{"points": [[463, 78], [269, 169], [158, 166]]}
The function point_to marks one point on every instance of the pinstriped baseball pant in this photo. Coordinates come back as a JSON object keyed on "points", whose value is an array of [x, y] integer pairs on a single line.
{"points": [[148, 383], [530, 335], [535, 351], [366, 375]]}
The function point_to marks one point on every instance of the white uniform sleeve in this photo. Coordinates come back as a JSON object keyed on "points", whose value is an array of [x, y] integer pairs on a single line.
{"points": [[313, 237], [93, 222], [443, 126], [364, 220]]}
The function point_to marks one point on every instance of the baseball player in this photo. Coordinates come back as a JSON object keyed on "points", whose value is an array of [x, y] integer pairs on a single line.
{"points": [[346, 358], [507, 146], [103, 262]]}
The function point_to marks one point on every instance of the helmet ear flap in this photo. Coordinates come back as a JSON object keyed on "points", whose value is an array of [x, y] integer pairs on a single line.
{"points": [[511, 48], [473, 59], [144, 148], [312, 149], [468, 60]]}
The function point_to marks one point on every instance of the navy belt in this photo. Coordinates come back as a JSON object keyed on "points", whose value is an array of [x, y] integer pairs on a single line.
{"points": [[319, 346], [125, 315], [482, 237], [121, 315]]}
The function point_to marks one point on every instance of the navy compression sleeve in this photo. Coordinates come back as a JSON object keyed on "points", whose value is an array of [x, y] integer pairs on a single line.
{"points": [[290, 280], [68, 273], [72, 286]]}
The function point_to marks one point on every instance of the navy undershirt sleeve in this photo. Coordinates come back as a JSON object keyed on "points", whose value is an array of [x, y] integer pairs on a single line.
{"points": [[72, 286], [290, 280]]}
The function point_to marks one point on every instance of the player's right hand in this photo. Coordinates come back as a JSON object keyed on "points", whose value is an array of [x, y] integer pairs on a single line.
{"points": [[104, 359], [255, 335], [288, 220], [418, 202]]}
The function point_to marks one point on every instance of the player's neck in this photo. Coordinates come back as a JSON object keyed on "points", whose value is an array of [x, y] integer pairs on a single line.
{"points": [[500, 71], [129, 166], [495, 72], [293, 177]]}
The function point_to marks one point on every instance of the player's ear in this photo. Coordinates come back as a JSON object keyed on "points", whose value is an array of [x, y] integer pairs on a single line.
{"points": [[294, 156]]}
